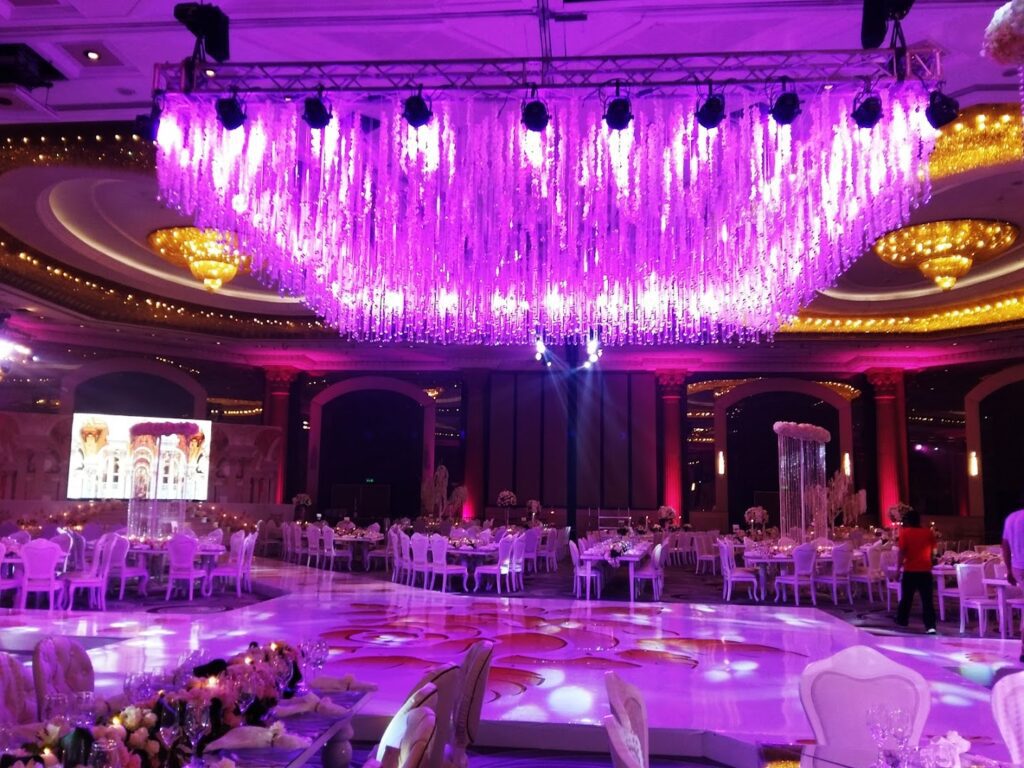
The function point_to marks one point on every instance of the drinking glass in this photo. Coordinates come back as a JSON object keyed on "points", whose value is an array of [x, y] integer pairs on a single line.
{"points": [[83, 709], [56, 707], [104, 754], [170, 728], [132, 684], [197, 723], [245, 693]]}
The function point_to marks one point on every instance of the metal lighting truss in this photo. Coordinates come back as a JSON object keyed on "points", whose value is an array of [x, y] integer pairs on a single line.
{"points": [[806, 71]]}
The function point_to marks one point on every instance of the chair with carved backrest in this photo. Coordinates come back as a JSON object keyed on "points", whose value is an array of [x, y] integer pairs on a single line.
{"points": [[627, 724], [60, 666], [837, 693], [476, 666], [17, 699]]}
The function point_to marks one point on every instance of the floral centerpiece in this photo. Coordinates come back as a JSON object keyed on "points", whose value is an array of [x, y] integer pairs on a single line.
{"points": [[616, 550], [507, 499], [1003, 41], [896, 512], [163, 429], [666, 515], [533, 508], [240, 690], [756, 516]]}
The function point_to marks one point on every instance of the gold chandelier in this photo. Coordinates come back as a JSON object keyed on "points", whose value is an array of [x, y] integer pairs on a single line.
{"points": [[946, 250], [211, 255], [983, 136]]}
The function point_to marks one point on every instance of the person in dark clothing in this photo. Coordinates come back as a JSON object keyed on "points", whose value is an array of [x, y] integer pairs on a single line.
{"points": [[916, 545]]}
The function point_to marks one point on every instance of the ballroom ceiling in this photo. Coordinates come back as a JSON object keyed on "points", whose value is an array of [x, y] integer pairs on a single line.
{"points": [[90, 219]]}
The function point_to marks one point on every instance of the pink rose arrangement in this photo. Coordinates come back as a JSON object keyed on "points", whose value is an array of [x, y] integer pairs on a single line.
{"points": [[240, 690]]}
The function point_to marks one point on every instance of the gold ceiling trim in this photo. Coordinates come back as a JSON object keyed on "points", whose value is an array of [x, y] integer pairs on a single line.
{"points": [[1005, 308], [984, 136], [722, 387], [50, 280]]}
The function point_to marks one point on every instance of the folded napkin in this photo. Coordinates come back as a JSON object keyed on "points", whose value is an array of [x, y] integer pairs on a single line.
{"points": [[309, 703], [255, 737], [328, 684]]}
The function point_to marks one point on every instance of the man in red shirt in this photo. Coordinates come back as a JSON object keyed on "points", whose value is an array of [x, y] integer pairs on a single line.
{"points": [[916, 545]]}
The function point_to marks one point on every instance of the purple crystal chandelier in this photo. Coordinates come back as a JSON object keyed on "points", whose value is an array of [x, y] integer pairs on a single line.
{"points": [[474, 229]]}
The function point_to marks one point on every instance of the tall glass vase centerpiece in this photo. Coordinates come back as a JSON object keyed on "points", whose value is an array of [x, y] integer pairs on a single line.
{"points": [[803, 497], [161, 477]]}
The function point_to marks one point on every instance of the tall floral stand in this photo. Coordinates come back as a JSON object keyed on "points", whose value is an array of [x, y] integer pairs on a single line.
{"points": [[803, 496], [161, 478]]}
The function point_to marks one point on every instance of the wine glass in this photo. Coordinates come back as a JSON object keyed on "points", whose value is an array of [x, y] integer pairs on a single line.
{"points": [[899, 730], [104, 754], [55, 707], [83, 709], [245, 693], [197, 723], [132, 684], [170, 728]]}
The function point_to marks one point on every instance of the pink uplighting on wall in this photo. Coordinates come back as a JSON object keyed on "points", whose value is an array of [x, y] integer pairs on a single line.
{"points": [[474, 230]]}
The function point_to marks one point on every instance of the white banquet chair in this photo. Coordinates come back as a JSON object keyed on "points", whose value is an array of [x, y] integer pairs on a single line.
{"points": [[447, 680], [705, 555], [731, 574], [653, 570], [419, 729], [503, 567], [60, 666], [627, 724], [181, 564], [805, 557], [439, 565], [248, 553], [20, 537], [7, 583], [531, 545], [124, 571], [386, 553], [548, 552], [1008, 710], [583, 571], [216, 536], [39, 572], [420, 559], [16, 694], [517, 564], [839, 575], [892, 583], [331, 552], [476, 666], [313, 551], [973, 595], [870, 575], [837, 693], [425, 695], [232, 568], [94, 579]]}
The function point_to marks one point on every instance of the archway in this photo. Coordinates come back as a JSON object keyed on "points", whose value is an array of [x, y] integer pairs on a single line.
{"points": [[362, 383], [192, 389], [757, 387], [977, 461]]}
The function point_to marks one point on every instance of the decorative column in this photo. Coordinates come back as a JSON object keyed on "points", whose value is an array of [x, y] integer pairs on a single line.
{"points": [[474, 396], [672, 393], [275, 414], [891, 438]]}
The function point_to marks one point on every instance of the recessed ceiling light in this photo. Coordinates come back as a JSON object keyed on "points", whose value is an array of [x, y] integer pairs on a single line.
{"points": [[210, 72], [92, 55]]}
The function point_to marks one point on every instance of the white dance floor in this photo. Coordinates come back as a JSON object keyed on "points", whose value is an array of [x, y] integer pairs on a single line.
{"points": [[731, 670]]}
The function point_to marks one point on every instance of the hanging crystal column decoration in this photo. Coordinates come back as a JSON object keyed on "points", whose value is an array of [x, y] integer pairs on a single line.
{"points": [[472, 229]]}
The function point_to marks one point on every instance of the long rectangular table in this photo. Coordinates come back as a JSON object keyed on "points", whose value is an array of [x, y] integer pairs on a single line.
{"points": [[598, 554]]}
